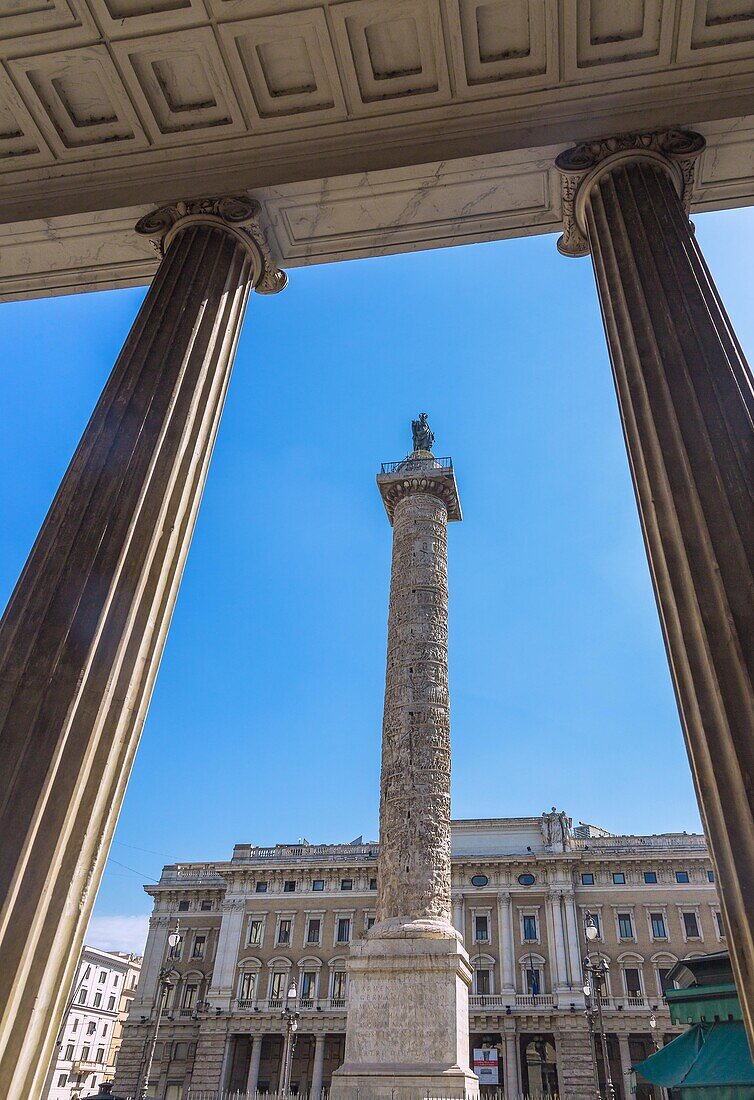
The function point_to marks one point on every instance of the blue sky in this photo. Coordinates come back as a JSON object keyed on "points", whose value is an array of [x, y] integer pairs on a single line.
{"points": [[265, 722]]}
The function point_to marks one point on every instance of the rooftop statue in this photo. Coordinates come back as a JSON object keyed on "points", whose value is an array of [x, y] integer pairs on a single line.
{"points": [[422, 434]]}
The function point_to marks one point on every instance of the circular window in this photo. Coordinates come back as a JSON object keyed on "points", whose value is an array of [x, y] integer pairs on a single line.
{"points": [[479, 880], [526, 880]]}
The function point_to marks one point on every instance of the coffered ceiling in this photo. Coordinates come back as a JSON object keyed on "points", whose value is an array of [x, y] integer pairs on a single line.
{"points": [[362, 126]]}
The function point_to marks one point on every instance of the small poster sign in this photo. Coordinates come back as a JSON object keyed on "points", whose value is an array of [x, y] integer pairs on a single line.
{"points": [[486, 1067]]}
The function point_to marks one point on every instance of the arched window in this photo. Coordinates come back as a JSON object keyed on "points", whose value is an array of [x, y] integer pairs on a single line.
{"points": [[532, 968], [663, 963], [280, 971], [338, 982], [632, 978], [308, 980], [484, 975]]}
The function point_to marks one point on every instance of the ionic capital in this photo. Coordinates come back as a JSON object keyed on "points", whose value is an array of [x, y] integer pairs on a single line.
{"points": [[580, 167], [237, 215]]}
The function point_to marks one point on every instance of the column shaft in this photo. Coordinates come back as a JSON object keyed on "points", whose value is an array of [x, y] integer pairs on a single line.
{"points": [[687, 406], [414, 865], [252, 1079], [513, 1075], [319, 1066], [82, 637], [625, 1065]]}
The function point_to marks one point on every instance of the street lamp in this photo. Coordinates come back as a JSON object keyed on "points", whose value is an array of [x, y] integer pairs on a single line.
{"points": [[653, 1025], [290, 1017], [595, 979], [164, 985]]}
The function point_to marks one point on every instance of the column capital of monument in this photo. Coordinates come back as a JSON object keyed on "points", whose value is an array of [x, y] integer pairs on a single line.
{"points": [[583, 165], [419, 472], [237, 215]]}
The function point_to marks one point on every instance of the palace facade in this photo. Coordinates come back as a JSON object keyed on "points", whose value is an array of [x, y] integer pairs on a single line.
{"points": [[92, 1031], [522, 891]]}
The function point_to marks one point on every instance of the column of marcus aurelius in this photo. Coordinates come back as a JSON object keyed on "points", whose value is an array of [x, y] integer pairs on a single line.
{"points": [[686, 401], [83, 633], [407, 1029]]}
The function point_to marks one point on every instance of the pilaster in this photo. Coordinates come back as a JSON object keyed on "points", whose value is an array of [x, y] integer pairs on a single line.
{"points": [[221, 991]]}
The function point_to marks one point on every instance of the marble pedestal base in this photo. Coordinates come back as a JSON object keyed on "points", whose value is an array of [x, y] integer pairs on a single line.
{"points": [[408, 1020]]}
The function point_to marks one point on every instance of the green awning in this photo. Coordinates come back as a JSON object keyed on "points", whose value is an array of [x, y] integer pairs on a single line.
{"points": [[705, 1055]]}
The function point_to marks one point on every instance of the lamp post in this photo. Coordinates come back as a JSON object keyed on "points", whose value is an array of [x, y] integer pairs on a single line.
{"points": [[290, 1017], [164, 984], [594, 981]]}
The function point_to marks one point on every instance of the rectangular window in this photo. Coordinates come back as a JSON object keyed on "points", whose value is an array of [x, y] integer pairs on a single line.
{"points": [[625, 926], [85, 1054], [175, 952], [339, 985], [261, 887], [682, 876], [650, 877], [255, 932], [373, 884], [691, 926], [100, 1054], [82, 997], [530, 928], [102, 976], [115, 980], [189, 996], [200, 943], [91, 1027], [246, 988], [104, 1029], [346, 884], [205, 906], [313, 930], [308, 984], [284, 932], [662, 973], [710, 876], [75, 1026], [619, 878], [633, 982], [533, 982], [318, 884], [277, 986], [482, 979], [62, 1080], [289, 886], [720, 925], [183, 906], [481, 929], [370, 922], [97, 1000], [658, 926], [87, 972], [344, 929], [69, 1053], [587, 880]]}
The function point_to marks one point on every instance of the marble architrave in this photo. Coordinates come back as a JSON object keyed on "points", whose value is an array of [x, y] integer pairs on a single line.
{"points": [[409, 979]]}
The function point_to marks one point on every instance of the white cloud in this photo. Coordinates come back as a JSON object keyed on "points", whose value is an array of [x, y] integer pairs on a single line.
{"points": [[119, 933]]}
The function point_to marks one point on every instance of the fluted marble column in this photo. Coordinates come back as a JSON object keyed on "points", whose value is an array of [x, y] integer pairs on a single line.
{"points": [[82, 636], [687, 404]]}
